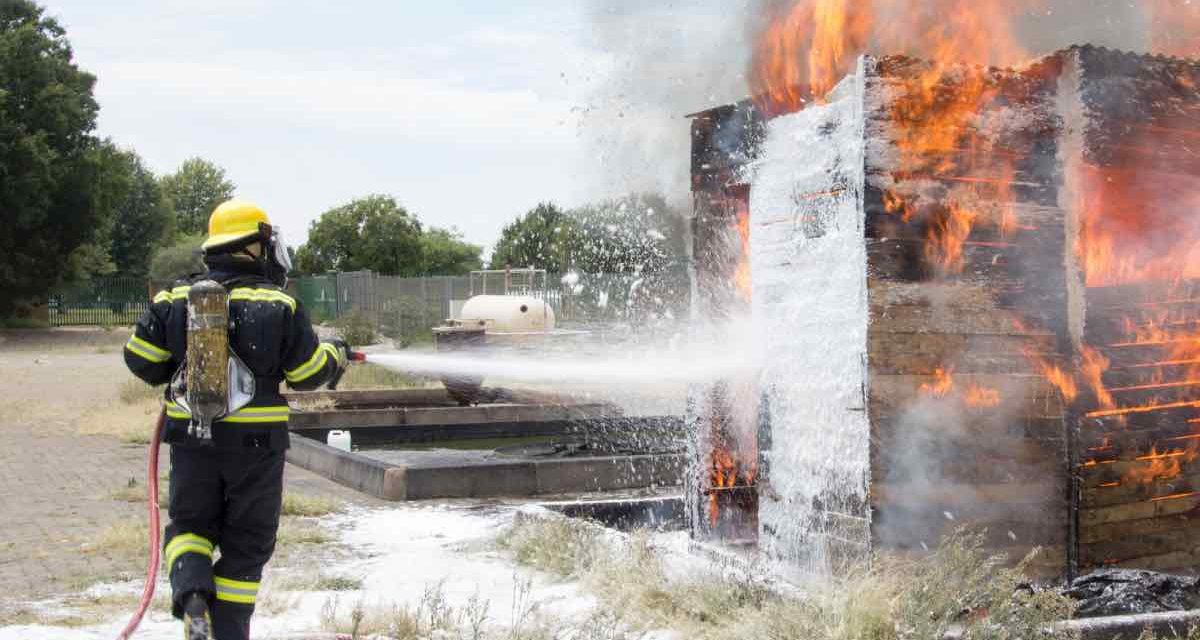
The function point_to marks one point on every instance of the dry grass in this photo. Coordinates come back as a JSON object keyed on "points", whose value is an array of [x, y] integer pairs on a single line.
{"points": [[318, 581], [126, 539], [892, 600], [274, 602], [130, 418], [63, 340], [18, 616], [21, 616], [433, 616], [135, 491], [560, 546], [293, 531], [309, 506], [134, 391], [80, 610], [370, 376]]}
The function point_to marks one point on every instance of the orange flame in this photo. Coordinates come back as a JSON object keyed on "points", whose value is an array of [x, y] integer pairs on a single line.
{"points": [[946, 236], [805, 48], [974, 396], [1130, 226], [741, 277], [1162, 466], [1064, 382], [1092, 368], [943, 383], [982, 397], [1175, 27]]}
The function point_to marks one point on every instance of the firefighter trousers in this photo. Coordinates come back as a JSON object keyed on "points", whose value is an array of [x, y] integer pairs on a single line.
{"points": [[228, 502]]}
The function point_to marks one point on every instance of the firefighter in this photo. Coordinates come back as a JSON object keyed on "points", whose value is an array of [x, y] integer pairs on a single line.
{"points": [[226, 493]]}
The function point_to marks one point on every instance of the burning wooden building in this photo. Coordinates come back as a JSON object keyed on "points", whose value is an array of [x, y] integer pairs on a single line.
{"points": [[978, 292]]}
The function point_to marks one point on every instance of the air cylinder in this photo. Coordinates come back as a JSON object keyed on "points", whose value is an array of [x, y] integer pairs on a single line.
{"points": [[207, 356]]}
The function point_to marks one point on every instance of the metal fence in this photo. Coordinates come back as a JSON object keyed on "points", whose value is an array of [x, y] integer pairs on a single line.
{"points": [[404, 306], [101, 301]]}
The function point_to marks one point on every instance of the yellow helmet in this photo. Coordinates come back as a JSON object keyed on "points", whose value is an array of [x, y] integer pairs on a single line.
{"points": [[234, 220]]}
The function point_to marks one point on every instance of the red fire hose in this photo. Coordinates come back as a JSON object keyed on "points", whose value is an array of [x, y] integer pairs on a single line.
{"points": [[155, 533]]}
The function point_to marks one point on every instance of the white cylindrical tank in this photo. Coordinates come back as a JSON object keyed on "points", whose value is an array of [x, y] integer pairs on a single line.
{"points": [[509, 313]]}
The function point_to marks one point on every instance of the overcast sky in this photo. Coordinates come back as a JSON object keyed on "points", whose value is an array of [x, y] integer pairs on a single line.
{"points": [[469, 112]]}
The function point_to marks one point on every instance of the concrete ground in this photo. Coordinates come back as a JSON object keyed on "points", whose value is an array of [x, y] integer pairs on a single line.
{"points": [[60, 490]]}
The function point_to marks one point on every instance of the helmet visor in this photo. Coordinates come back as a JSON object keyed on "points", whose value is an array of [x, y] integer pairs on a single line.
{"points": [[279, 247]]}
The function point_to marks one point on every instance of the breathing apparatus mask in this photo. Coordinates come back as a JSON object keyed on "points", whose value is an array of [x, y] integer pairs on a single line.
{"points": [[272, 258], [276, 261]]}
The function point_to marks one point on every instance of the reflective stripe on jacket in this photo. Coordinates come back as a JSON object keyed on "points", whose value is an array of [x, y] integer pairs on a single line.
{"points": [[269, 331]]}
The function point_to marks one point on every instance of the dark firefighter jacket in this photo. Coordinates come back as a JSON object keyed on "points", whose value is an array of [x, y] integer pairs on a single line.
{"points": [[269, 331]]}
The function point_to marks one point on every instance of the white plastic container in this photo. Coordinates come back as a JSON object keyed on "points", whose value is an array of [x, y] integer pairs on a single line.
{"points": [[339, 440]]}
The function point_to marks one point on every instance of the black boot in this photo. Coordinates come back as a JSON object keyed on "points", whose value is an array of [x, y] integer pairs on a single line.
{"points": [[197, 625]]}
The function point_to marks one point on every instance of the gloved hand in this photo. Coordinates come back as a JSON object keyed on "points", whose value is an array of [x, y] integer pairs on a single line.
{"points": [[343, 349], [343, 360]]}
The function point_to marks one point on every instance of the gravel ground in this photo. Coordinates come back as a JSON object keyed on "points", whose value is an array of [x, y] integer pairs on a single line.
{"points": [[58, 485]]}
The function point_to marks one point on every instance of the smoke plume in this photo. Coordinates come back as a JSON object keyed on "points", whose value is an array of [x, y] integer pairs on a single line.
{"points": [[667, 60]]}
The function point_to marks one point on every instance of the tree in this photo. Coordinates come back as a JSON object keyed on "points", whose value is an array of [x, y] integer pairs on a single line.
{"points": [[194, 190], [179, 259], [542, 239], [634, 234], [141, 217], [372, 233], [445, 253], [49, 159]]}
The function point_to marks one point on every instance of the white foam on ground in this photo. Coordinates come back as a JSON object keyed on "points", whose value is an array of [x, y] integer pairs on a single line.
{"points": [[399, 552]]}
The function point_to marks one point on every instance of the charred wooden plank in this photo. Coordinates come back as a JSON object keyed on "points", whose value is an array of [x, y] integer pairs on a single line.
{"points": [[1010, 529], [972, 467], [899, 529], [1181, 539], [1135, 528], [949, 424], [1135, 375], [1142, 296], [1163, 562], [1165, 506], [1030, 394], [1121, 446], [1039, 302], [924, 353], [1128, 427], [1100, 491], [905, 260], [1170, 392], [952, 308], [917, 495], [1109, 447], [1128, 327], [1132, 354]]}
